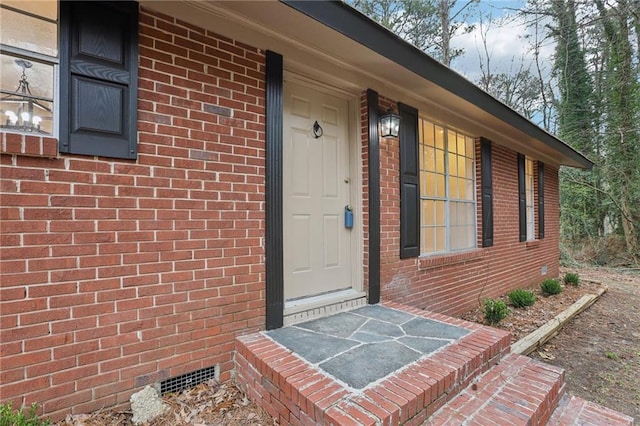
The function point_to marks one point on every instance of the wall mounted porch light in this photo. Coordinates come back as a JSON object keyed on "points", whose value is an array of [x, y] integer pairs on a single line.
{"points": [[389, 124]]}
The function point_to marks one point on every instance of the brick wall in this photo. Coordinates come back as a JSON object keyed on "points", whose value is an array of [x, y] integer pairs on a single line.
{"points": [[455, 283], [117, 274]]}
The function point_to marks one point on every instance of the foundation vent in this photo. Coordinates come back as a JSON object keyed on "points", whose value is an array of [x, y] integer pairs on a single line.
{"points": [[176, 384]]}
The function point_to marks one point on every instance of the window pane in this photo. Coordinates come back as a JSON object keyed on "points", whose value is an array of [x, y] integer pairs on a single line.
{"points": [[469, 190], [440, 239], [470, 236], [470, 147], [453, 187], [453, 214], [453, 168], [428, 240], [41, 37], [471, 219], [440, 161], [439, 132], [462, 189], [451, 142], [461, 145], [462, 214], [18, 107], [428, 158], [427, 136], [453, 238], [440, 207], [469, 172], [440, 186], [428, 213], [430, 185], [462, 169]]}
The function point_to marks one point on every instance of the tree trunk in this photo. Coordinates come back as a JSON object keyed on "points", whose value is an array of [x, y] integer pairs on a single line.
{"points": [[446, 36]]}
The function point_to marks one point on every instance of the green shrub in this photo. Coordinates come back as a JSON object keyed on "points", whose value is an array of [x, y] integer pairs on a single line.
{"points": [[550, 287], [495, 310], [9, 417], [521, 298], [572, 279]]}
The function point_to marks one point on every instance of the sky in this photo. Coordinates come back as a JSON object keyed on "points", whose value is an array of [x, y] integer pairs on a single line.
{"points": [[505, 39]]}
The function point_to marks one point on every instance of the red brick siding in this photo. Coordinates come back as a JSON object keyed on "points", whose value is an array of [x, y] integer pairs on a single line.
{"points": [[384, 105], [117, 274], [454, 283], [364, 143]]}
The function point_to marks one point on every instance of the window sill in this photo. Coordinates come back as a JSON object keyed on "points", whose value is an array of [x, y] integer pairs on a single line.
{"points": [[449, 259], [532, 244], [28, 145]]}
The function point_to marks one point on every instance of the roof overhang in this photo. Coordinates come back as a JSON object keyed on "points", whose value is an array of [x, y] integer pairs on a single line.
{"points": [[337, 45]]}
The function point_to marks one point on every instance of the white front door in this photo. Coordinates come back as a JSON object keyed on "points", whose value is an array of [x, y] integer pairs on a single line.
{"points": [[316, 180]]}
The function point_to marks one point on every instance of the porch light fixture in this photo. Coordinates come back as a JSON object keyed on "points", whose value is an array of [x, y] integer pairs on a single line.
{"points": [[23, 117], [389, 125]]}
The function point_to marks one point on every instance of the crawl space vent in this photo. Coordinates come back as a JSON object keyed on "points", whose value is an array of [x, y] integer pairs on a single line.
{"points": [[176, 384]]}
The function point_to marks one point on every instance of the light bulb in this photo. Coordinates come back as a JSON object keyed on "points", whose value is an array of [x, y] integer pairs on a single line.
{"points": [[25, 116], [36, 120], [11, 117]]}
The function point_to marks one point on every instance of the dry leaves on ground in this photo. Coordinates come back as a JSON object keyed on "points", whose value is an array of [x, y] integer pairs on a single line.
{"points": [[208, 403]]}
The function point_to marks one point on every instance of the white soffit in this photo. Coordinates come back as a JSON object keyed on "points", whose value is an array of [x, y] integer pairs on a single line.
{"points": [[311, 48]]}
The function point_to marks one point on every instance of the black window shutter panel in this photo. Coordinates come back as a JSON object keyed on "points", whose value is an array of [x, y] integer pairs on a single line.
{"points": [[409, 184], [487, 192], [99, 78], [522, 198], [540, 200]]}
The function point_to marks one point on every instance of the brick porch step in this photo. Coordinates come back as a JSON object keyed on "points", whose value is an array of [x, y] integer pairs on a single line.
{"points": [[574, 411], [297, 392], [518, 391]]}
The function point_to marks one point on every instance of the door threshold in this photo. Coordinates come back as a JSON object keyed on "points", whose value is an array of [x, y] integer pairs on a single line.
{"points": [[323, 305]]}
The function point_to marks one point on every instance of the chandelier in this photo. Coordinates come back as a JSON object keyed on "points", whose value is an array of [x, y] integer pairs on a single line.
{"points": [[23, 116]]}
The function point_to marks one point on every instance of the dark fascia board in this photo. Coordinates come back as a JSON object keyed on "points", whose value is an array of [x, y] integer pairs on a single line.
{"points": [[358, 27]]}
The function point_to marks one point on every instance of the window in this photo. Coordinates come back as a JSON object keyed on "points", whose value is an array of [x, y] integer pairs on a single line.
{"points": [[447, 189], [28, 60], [96, 75], [529, 191]]}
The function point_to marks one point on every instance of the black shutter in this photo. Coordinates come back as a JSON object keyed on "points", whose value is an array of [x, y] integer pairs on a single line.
{"points": [[522, 198], [487, 192], [99, 78], [540, 200], [409, 188]]}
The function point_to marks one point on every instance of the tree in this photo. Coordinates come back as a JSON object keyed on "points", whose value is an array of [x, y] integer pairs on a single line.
{"points": [[622, 115], [427, 24], [582, 210]]}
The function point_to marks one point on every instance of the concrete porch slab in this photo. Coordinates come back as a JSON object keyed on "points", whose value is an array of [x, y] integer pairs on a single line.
{"points": [[384, 364]]}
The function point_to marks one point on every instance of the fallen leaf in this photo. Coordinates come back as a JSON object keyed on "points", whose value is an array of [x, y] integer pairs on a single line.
{"points": [[546, 355]]}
